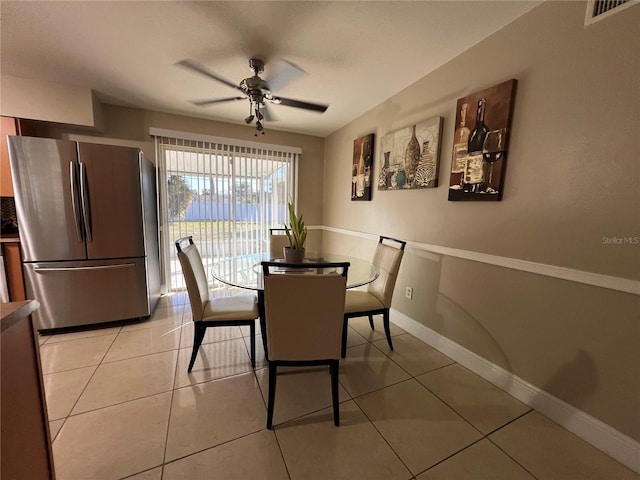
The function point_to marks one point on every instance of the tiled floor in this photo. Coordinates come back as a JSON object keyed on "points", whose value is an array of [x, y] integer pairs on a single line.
{"points": [[121, 405]]}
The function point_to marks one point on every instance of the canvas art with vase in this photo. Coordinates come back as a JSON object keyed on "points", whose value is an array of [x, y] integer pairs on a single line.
{"points": [[411, 156]]}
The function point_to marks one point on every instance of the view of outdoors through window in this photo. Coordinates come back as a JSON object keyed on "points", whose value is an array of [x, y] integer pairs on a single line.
{"points": [[226, 197]]}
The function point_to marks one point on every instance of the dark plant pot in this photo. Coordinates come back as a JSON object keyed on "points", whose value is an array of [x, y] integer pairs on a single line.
{"points": [[293, 255]]}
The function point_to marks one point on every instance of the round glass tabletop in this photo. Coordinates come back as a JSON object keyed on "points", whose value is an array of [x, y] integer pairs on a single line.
{"points": [[245, 271]]}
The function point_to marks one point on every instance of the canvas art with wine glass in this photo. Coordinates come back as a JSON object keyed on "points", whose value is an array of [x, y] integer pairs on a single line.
{"points": [[480, 142], [362, 168]]}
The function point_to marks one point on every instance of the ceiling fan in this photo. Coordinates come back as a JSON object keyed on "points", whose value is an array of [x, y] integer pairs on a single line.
{"points": [[257, 90]]}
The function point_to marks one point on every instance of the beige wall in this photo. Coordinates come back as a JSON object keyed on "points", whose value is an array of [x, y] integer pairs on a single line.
{"points": [[48, 101], [572, 178]]}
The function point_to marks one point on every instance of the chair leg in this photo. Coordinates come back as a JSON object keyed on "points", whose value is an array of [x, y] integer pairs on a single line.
{"points": [[198, 335], [272, 394], [387, 330], [263, 323], [343, 348], [371, 322], [252, 330], [335, 367]]}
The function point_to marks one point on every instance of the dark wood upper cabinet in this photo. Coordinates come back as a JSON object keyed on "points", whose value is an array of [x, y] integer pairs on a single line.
{"points": [[9, 126]]}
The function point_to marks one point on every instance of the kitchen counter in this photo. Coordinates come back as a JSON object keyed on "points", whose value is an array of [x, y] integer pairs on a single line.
{"points": [[25, 438], [14, 311], [10, 238]]}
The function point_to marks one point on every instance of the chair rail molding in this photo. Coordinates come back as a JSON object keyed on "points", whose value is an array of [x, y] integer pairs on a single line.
{"points": [[614, 443], [589, 278]]}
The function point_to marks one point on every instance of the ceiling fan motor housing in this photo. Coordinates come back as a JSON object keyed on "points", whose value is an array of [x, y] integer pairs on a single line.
{"points": [[256, 65], [255, 87]]}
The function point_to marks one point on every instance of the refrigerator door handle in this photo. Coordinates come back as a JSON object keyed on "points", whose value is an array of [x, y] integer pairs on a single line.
{"points": [[75, 269], [86, 204], [74, 200]]}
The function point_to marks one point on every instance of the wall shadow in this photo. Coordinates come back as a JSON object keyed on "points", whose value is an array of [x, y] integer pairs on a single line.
{"points": [[574, 382]]}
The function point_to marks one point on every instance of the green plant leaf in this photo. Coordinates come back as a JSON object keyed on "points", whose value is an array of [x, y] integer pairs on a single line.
{"points": [[296, 230]]}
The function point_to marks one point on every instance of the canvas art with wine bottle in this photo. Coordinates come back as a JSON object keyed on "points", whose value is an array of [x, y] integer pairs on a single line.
{"points": [[480, 143], [362, 168], [410, 157]]}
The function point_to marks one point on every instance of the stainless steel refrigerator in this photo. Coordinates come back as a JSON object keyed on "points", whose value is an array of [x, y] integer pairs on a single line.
{"points": [[88, 226]]}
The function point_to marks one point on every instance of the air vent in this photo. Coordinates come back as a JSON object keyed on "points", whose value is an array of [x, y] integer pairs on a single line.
{"points": [[599, 9]]}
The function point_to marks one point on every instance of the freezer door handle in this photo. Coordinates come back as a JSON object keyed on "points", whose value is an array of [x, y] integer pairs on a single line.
{"points": [[74, 200], [86, 204], [75, 269]]}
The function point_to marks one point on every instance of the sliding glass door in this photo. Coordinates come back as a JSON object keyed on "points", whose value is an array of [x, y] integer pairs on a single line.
{"points": [[226, 196]]}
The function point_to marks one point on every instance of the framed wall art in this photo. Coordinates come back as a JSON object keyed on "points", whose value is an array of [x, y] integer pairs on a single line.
{"points": [[480, 143], [362, 168], [410, 157]]}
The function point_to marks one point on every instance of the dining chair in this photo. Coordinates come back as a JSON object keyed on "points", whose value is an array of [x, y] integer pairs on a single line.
{"points": [[377, 298], [229, 311], [304, 314], [277, 241]]}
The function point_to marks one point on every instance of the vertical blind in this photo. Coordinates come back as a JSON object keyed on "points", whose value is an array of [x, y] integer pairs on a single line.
{"points": [[226, 195]]}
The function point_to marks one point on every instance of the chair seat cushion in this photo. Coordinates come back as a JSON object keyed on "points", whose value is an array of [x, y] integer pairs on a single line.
{"points": [[235, 307], [361, 301]]}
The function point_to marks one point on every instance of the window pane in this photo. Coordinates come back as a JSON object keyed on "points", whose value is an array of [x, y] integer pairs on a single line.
{"points": [[225, 196]]}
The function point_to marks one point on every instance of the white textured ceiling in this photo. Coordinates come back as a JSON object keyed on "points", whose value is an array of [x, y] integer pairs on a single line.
{"points": [[356, 54]]}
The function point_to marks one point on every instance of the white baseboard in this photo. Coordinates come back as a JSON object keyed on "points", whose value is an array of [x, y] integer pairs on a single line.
{"points": [[612, 442]]}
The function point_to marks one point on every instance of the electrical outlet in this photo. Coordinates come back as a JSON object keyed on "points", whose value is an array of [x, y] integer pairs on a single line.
{"points": [[409, 293]]}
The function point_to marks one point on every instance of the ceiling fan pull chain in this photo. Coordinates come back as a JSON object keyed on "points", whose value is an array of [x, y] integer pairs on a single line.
{"points": [[259, 117]]}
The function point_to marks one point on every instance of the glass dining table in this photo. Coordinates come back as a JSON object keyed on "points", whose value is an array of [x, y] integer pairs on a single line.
{"points": [[245, 271]]}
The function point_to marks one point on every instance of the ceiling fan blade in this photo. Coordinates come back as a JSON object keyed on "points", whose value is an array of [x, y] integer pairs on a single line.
{"points": [[286, 72], [204, 103], [197, 67], [268, 114], [289, 102]]}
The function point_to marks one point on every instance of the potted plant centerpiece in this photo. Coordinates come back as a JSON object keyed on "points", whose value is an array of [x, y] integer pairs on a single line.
{"points": [[297, 235]]}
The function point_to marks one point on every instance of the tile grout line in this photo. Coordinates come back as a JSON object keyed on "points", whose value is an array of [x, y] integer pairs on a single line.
{"points": [[504, 451], [175, 387], [97, 366], [445, 403], [175, 372], [252, 371], [387, 356], [452, 455], [264, 402], [68, 415], [123, 401], [414, 377], [484, 436], [354, 399], [173, 390], [161, 466]]}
